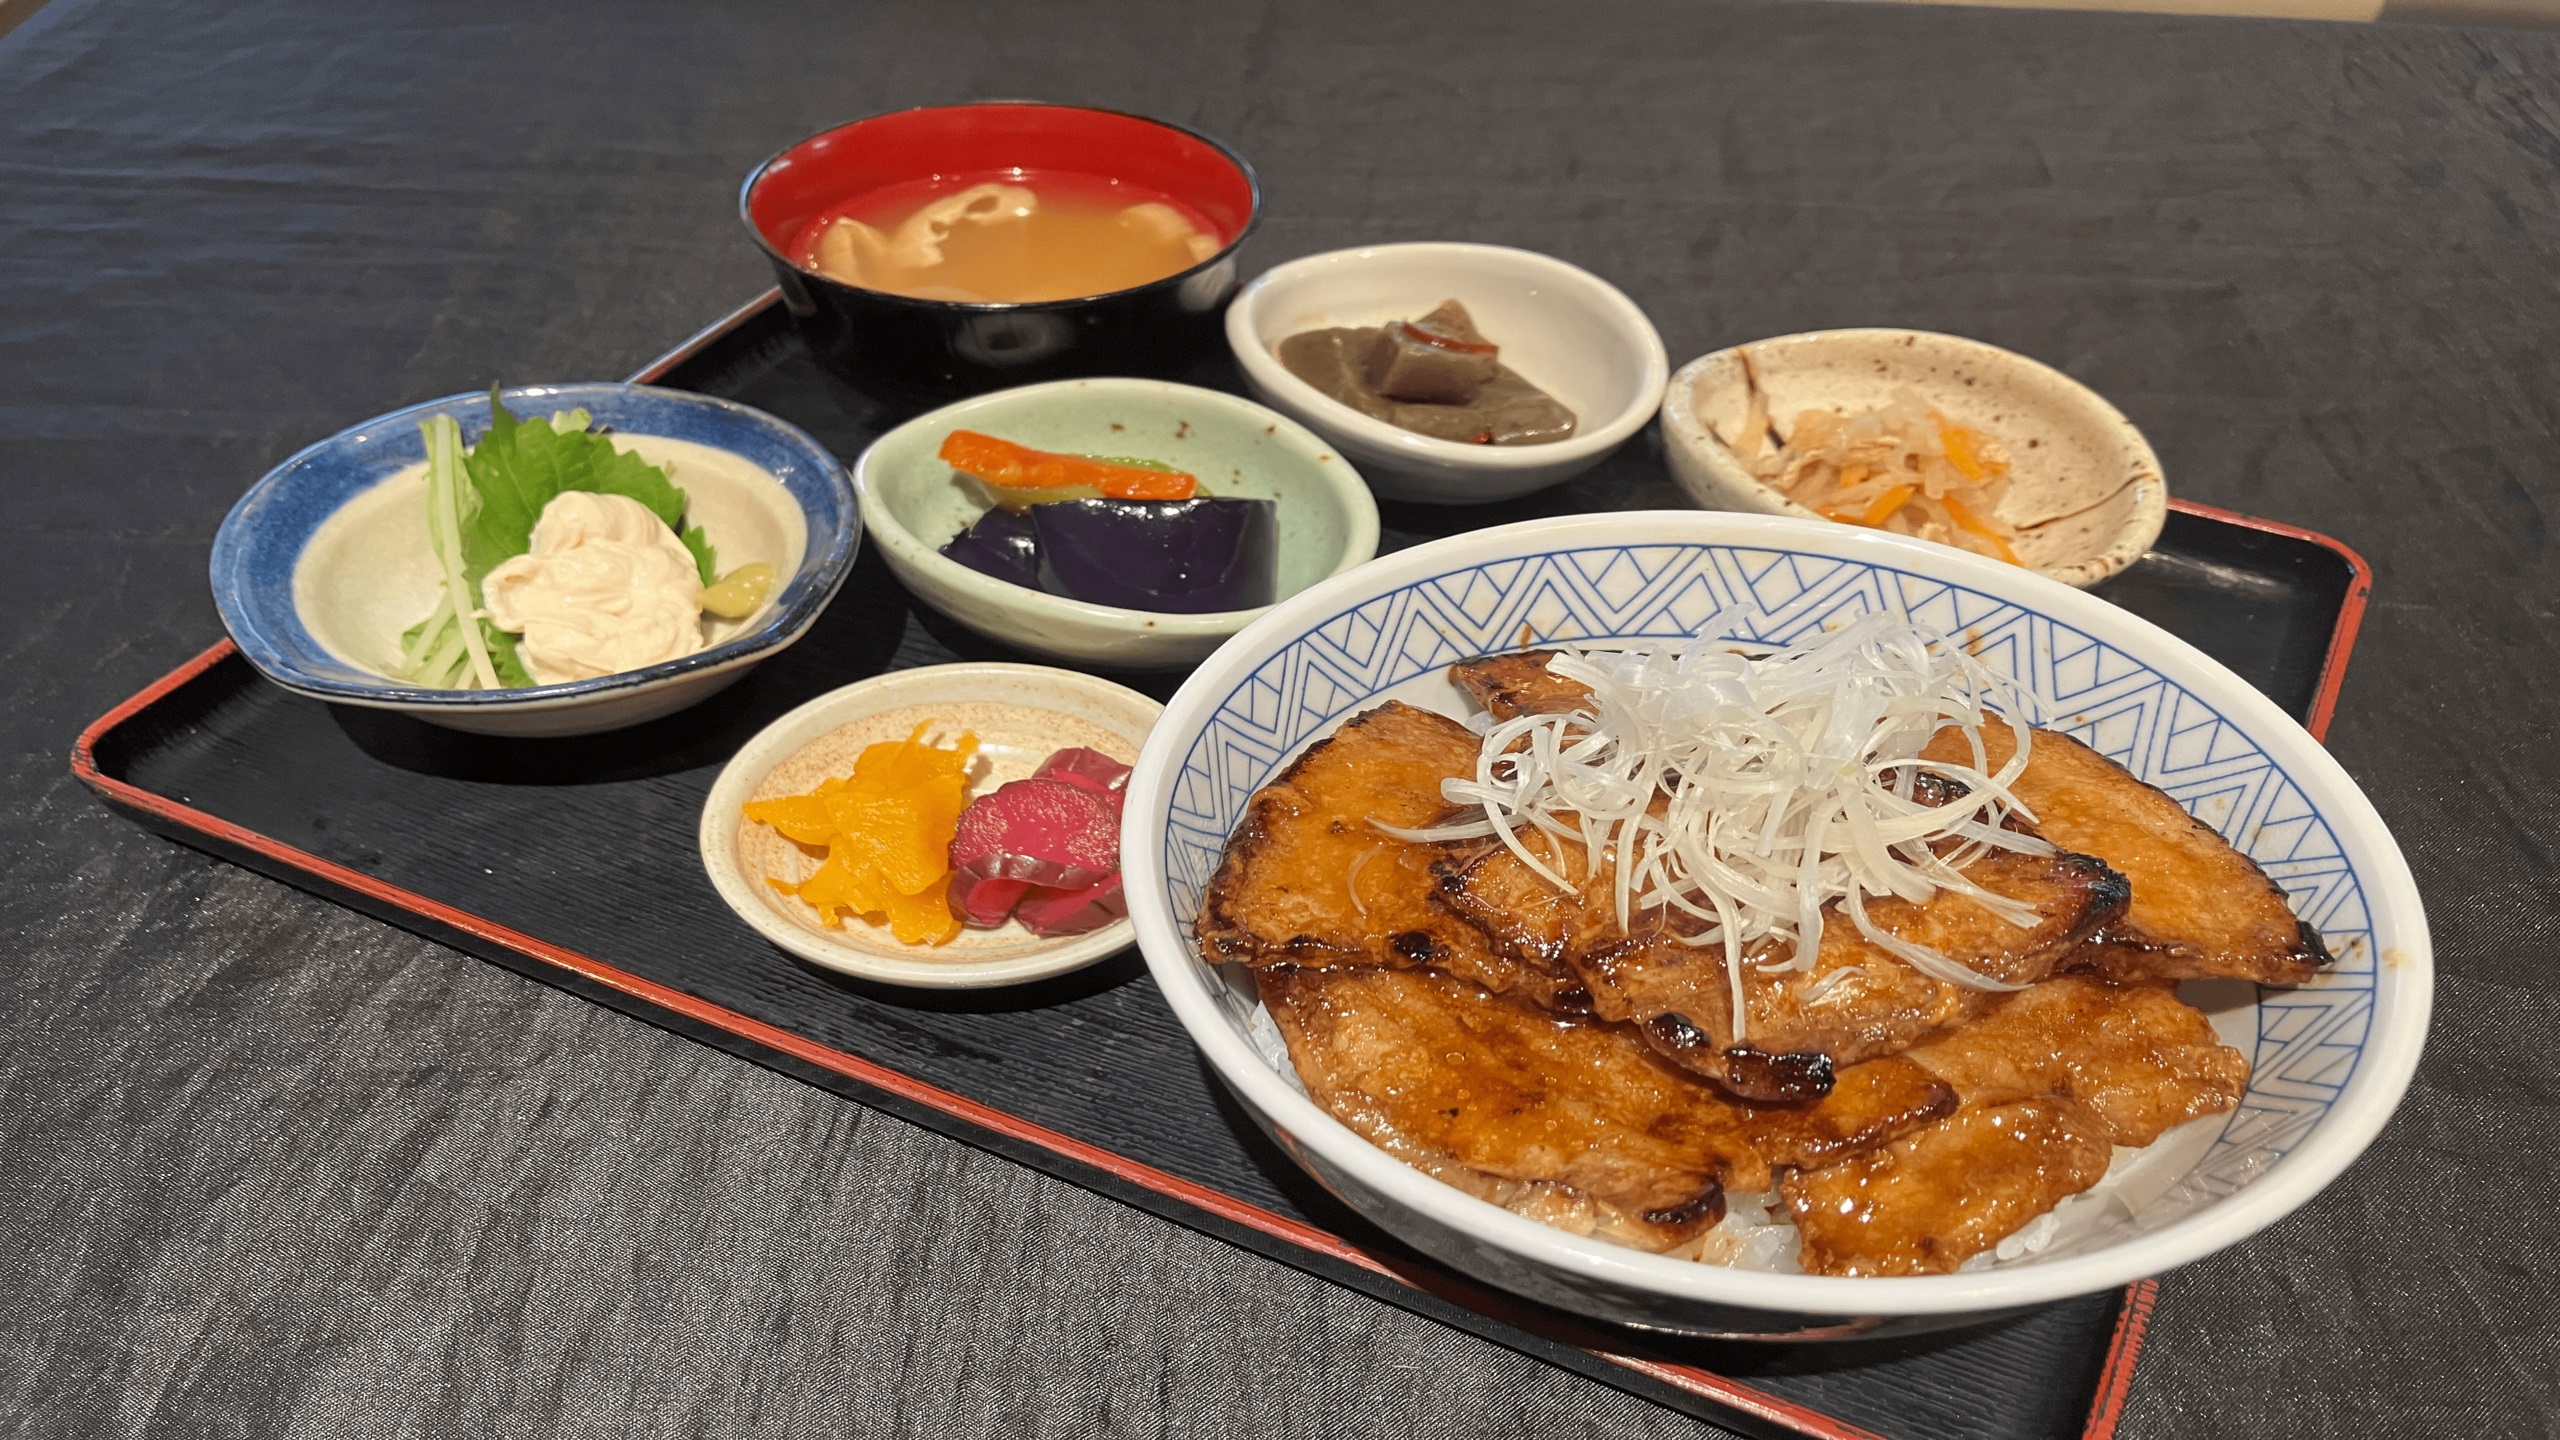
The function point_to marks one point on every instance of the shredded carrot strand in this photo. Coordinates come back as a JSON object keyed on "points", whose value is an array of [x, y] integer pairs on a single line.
{"points": [[1970, 521], [1887, 504]]}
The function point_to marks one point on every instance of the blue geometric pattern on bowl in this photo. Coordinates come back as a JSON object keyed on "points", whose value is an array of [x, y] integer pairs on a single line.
{"points": [[263, 537], [2309, 1039]]}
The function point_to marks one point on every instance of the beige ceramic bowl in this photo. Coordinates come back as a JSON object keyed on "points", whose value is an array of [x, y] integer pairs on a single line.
{"points": [[1021, 714], [2084, 490]]}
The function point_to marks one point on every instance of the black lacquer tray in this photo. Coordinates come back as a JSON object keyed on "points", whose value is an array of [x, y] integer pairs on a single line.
{"points": [[1088, 1077]]}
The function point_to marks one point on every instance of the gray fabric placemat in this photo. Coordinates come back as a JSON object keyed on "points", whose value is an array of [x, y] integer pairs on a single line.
{"points": [[274, 1169]]}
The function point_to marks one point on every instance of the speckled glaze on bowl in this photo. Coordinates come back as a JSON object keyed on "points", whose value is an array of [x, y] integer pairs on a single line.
{"points": [[914, 351], [1564, 329], [310, 554], [1021, 714], [2085, 490], [2331, 1058], [912, 504]]}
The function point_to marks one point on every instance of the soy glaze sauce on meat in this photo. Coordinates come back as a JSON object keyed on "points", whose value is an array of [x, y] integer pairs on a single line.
{"points": [[2200, 909], [1308, 880], [1519, 1042], [1857, 1001], [1573, 1122]]}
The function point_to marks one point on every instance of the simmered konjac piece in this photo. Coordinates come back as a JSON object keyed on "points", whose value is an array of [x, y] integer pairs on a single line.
{"points": [[1909, 1116]]}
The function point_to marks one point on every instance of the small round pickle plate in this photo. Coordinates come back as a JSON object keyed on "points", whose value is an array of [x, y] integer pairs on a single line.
{"points": [[1020, 714]]}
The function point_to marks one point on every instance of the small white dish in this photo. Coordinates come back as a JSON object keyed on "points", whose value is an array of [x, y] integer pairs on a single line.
{"points": [[2084, 488], [912, 504], [324, 562], [1021, 714], [1564, 329]]}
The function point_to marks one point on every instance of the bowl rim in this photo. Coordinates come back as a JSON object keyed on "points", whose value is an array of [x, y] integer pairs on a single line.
{"points": [[1682, 427], [1630, 322], [715, 834], [755, 177], [2360, 1112], [1360, 542], [829, 565]]}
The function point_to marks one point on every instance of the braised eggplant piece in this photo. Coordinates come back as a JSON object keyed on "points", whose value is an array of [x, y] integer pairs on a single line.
{"points": [[1176, 557], [999, 545], [1181, 557]]}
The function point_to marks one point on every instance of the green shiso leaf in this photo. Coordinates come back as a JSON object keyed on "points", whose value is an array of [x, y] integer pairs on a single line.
{"points": [[705, 559], [518, 468]]}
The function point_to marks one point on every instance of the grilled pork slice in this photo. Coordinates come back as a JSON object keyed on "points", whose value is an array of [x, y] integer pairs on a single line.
{"points": [[1570, 1122], [1857, 1001], [1517, 683], [1929, 1201], [2142, 1060], [2200, 908], [1307, 880]]}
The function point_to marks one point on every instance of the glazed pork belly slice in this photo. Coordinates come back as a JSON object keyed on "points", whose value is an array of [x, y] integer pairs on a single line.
{"points": [[1935, 1198], [2200, 909], [1517, 683], [2139, 1058], [1573, 1123], [1857, 1001], [1308, 880]]}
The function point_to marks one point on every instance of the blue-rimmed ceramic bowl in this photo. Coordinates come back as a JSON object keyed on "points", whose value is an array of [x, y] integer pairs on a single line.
{"points": [[2330, 1059], [324, 563]]}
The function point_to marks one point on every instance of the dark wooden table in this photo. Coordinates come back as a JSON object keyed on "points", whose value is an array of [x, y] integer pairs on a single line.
{"points": [[274, 1169]]}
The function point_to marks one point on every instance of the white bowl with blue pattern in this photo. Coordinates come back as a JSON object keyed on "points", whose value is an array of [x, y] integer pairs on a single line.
{"points": [[317, 568], [2330, 1058]]}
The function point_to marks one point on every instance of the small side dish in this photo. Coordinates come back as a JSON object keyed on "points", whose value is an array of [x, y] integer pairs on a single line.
{"points": [[1932, 436], [1131, 533], [949, 826], [905, 850], [997, 513], [1305, 333], [1436, 375], [560, 556]]}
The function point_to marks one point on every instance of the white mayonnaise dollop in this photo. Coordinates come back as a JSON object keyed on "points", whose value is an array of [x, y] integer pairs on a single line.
{"points": [[606, 588]]}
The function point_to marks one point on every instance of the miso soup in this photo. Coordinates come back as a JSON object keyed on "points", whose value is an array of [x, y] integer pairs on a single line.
{"points": [[1009, 238]]}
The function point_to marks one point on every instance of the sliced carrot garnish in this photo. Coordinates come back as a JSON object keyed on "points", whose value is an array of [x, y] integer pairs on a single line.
{"points": [[1019, 467]]}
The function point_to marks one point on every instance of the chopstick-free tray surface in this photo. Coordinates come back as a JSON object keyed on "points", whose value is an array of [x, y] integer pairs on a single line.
{"points": [[573, 861]]}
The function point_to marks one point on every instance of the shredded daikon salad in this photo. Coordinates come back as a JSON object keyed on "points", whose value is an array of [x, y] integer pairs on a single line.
{"points": [[1742, 788], [1900, 466]]}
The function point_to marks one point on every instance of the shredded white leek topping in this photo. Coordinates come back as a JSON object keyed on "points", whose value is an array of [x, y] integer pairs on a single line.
{"points": [[1744, 787]]}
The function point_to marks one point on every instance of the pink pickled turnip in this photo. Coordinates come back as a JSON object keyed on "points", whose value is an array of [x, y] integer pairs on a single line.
{"points": [[1045, 850], [985, 903], [1049, 912], [1048, 832], [1089, 768]]}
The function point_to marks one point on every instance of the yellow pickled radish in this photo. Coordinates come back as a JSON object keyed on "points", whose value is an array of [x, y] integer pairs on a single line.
{"points": [[887, 832]]}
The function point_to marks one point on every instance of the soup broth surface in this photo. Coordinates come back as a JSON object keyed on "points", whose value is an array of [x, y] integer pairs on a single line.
{"points": [[1007, 237]]}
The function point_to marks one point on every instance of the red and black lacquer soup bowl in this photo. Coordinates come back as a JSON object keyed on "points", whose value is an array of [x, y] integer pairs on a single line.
{"points": [[907, 350]]}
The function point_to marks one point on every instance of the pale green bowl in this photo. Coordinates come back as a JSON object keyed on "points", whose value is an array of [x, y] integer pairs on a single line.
{"points": [[912, 504]]}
